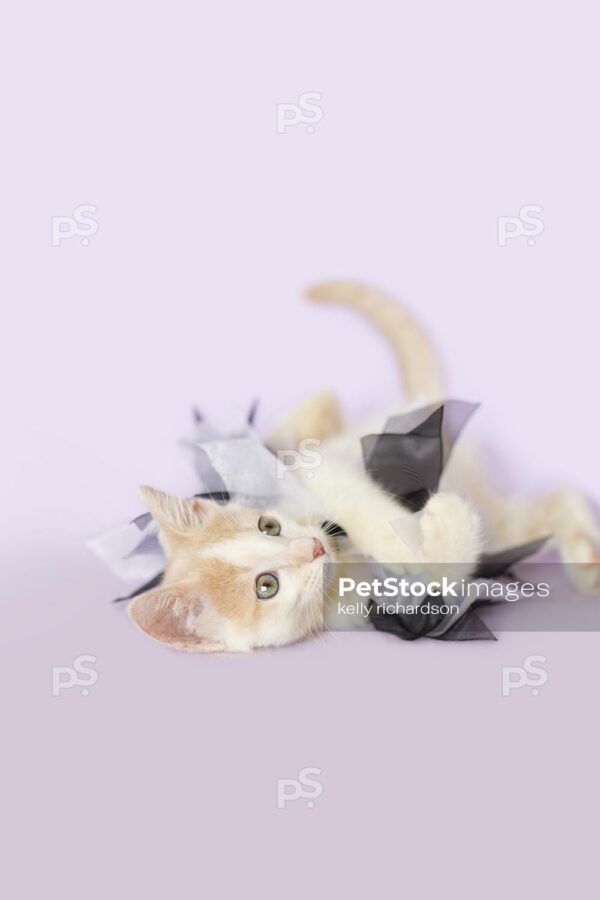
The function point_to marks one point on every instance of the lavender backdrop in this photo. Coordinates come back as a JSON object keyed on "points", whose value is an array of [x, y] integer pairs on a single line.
{"points": [[213, 211]]}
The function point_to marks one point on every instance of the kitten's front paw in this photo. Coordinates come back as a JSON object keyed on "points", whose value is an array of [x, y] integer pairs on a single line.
{"points": [[452, 533]]}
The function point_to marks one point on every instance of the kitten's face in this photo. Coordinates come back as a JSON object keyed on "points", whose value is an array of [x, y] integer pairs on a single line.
{"points": [[236, 578]]}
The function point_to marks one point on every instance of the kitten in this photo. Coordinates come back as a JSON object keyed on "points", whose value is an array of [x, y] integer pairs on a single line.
{"points": [[239, 578]]}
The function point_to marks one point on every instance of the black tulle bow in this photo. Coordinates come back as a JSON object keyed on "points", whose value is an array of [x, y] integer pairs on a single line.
{"points": [[408, 459]]}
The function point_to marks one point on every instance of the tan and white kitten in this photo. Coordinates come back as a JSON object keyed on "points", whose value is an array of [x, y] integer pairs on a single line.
{"points": [[240, 578]]}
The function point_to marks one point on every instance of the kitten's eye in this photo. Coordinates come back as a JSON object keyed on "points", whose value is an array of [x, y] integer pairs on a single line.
{"points": [[267, 586], [269, 526]]}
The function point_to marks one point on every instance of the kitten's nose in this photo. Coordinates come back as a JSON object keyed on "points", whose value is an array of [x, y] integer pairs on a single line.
{"points": [[318, 549]]}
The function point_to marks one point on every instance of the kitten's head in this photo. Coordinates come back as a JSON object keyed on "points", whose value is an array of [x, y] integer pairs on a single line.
{"points": [[236, 578]]}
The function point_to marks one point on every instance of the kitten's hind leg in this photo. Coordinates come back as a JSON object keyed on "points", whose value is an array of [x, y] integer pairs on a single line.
{"points": [[567, 516], [316, 418]]}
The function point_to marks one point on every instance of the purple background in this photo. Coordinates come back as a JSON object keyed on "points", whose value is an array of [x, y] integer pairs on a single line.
{"points": [[437, 119]]}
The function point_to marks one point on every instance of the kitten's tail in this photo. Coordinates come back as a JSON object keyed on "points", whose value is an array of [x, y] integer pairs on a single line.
{"points": [[418, 363]]}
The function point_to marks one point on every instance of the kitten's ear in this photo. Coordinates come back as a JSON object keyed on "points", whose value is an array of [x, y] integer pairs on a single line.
{"points": [[174, 514], [170, 615]]}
